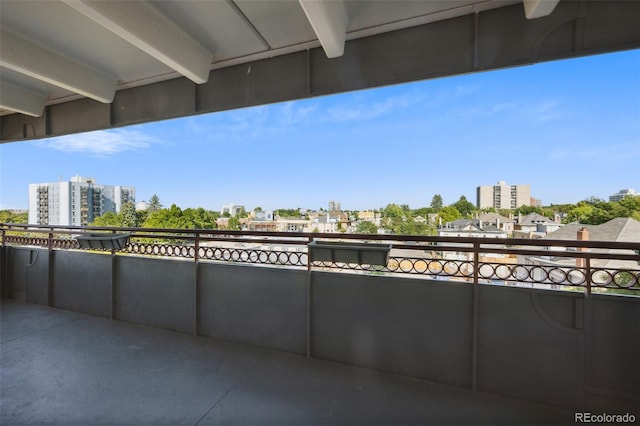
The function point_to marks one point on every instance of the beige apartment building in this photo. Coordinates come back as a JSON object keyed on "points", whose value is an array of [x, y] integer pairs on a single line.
{"points": [[503, 196]]}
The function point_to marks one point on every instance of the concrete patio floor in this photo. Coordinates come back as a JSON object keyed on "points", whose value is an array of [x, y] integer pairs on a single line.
{"points": [[62, 367]]}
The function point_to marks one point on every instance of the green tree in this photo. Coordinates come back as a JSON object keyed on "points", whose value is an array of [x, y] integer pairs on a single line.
{"points": [[366, 227], [108, 219], [199, 218], [128, 215], [393, 211], [7, 216], [154, 204], [580, 213], [464, 207], [289, 212], [423, 211], [171, 218], [631, 204], [234, 223], [594, 211], [449, 214], [436, 202]]}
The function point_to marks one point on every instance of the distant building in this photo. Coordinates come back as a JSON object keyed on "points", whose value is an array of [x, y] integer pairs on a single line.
{"points": [[76, 202], [535, 225], [622, 193], [498, 221], [471, 228], [535, 202], [293, 225], [503, 196], [334, 206], [262, 221], [232, 209], [261, 215], [325, 223]]}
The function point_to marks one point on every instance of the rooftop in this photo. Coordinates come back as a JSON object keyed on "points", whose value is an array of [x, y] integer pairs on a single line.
{"points": [[619, 229]]}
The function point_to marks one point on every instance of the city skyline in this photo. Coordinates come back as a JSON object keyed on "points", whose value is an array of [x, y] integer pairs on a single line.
{"points": [[570, 129]]}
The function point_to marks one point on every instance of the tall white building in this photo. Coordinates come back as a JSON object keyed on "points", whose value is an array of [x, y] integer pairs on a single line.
{"points": [[232, 209], [334, 206], [619, 196], [503, 196], [76, 202]]}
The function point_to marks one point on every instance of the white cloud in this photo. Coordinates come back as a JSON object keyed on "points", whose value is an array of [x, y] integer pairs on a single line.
{"points": [[362, 110], [101, 143], [292, 114]]}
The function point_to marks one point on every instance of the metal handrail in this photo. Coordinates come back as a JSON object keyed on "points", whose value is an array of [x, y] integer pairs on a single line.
{"points": [[415, 255]]}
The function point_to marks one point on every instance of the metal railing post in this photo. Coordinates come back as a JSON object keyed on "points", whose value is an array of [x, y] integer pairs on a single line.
{"points": [[309, 239], [588, 277], [196, 284], [474, 324], [50, 268], [3, 265]]}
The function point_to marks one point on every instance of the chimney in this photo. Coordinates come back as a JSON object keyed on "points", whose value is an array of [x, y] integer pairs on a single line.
{"points": [[583, 235]]}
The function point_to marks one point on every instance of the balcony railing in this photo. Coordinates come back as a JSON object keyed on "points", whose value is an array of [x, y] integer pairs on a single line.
{"points": [[589, 266]]}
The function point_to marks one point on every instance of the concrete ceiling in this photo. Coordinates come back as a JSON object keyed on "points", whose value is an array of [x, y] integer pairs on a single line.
{"points": [[53, 51], [76, 65]]}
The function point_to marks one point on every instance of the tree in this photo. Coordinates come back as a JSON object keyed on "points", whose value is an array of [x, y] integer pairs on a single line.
{"points": [[595, 211], [200, 218], [464, 207], [580, 213], [449, 214], [423, 211], [154, 204], [288, 212], [632, 206], [366, 227], [234, 223], [107, 219], [128, 215], [7, 216], [171, 218], [436, 202]]}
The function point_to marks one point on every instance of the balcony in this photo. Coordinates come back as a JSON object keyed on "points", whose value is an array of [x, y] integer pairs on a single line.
{"points": [[183, 326]]}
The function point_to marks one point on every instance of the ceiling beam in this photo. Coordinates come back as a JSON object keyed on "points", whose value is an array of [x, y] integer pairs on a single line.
{"points": [[19, 99], [329, 21], [26, 57], [534, 9], [142, 25]]}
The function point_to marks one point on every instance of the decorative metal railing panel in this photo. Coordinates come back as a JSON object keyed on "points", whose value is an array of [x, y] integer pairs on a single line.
{"points": [[500, 261], [58, 243]]}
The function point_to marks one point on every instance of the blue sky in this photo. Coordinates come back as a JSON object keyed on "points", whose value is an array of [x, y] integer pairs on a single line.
{"points": [[570, 129]]}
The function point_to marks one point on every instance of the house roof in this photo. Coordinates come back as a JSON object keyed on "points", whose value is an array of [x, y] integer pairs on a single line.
{"points": [[494, 217], [622, 229], [534, 218]]}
